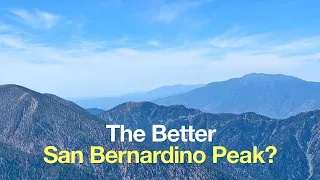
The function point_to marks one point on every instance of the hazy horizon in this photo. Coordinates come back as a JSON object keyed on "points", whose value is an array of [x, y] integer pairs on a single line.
{"points": [[75, 98]]}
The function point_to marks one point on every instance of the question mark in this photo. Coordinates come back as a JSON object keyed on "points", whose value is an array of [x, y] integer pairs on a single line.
{"points": [[274, 152]]}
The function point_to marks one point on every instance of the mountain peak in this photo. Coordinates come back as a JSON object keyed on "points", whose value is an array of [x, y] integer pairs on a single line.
{"points": [[132, 105], [273, 95], [264, 76], [14, 86], [129, 106], [17, 93]]}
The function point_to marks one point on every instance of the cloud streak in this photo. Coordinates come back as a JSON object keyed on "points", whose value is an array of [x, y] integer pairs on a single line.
{"points": [[153, 43], [36, 18], [85, 67], [167, 12]]}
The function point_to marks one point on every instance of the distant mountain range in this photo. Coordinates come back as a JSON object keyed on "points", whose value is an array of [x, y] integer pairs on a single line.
{"points": [[272, 95], [276, 96], [106, 103], [29, 121]]}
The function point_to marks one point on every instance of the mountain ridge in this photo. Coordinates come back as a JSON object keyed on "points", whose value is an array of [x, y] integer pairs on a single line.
{"points": [[297, 138], [277, 96], [30, 121]]}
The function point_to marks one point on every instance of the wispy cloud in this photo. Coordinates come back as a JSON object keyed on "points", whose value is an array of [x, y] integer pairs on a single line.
{"points": [[78, 67], [4, 27], [301, 44], [37, 18], [153, 43], [9, 41], [167, 11]]}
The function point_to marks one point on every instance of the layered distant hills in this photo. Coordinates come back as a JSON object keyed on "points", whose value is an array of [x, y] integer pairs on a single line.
{"points": [[272, 95], [29, 121], [106, 103], [276, 96]]}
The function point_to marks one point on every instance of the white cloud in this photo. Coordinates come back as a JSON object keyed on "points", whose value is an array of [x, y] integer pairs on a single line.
{"points": [[153, 43], [301, 44], [167, 12], [37, 18], [8, 41], [235, 41], [4, 27]]}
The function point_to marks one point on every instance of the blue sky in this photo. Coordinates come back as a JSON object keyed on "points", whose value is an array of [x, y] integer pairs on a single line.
{"points": [[95, 48]]}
